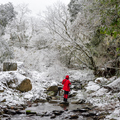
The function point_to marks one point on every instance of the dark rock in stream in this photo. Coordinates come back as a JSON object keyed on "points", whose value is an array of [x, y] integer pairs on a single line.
{"points": [[48, 98], [40, 100], [53, 116], [74, 116], [80, 110], [19, 112], [9, 111], [64, 103], [16, 107], [58, 112], [6, 115], [54, 101], [28, 112]]}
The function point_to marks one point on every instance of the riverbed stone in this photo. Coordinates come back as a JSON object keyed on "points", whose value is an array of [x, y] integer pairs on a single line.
{"points": [[54, 101], [4, 100], [40, 100], [30, 112], [57, 112], [53, 116], [62, 104], [54, 89], [1, 91], [51, 93], [80, 110], [74, 116]]}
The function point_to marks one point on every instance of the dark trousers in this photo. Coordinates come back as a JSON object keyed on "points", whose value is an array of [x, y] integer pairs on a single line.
{"points": [[65, 95]]}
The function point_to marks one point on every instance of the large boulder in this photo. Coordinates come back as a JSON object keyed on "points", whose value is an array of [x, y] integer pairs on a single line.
{"points": [[92, 87], [114, 86], [24, 86], [15, 80], [9, 66], [54, 89]]}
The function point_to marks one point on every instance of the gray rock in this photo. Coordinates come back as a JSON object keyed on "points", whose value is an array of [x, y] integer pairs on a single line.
{"points": [[53, 116], [53, 89]]}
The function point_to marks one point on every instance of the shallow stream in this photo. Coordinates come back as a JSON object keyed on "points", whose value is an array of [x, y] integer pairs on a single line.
{"points": [[47, 108]]}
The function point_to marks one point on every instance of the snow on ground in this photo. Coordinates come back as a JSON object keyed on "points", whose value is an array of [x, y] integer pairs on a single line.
{"points": [[41, 80], [115, 114], [92, 86]]}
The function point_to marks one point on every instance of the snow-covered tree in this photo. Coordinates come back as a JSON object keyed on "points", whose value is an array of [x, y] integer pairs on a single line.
{"points": [[75, 6], [83, 25], [72, 47], [56, 20], [7, 14], [19, 29], [95, 26]]}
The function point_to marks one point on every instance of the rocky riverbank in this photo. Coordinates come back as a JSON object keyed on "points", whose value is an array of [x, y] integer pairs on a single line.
{"points": [[83, 111], [87, 101], [39, 96]]}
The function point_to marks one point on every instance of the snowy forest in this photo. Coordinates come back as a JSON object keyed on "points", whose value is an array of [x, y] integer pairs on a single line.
{"points": [[81, 39]]}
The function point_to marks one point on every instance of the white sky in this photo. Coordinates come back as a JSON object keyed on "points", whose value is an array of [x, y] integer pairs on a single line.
{"points": [[35, 5]]}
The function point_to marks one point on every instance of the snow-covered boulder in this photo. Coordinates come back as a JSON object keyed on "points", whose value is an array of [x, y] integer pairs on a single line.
{"points": [[100, 92], [80, 98], [114, 86], [20, 64], [112, 79], [101, 80], [92, 87], [15, 80]]}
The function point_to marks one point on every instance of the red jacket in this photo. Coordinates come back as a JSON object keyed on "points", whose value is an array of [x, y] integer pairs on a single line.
{"points": [[66, 84]]}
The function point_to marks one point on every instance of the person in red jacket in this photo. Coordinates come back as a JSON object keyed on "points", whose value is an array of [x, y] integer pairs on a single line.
{"points": [[66, 87]]}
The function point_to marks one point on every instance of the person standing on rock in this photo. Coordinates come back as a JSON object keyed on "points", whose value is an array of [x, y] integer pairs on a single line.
{"points": [[66, 87]]}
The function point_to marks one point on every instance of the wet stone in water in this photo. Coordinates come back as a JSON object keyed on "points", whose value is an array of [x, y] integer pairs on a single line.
{"points": [[74, 116]]}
